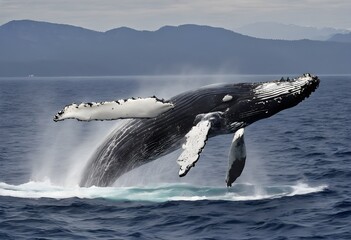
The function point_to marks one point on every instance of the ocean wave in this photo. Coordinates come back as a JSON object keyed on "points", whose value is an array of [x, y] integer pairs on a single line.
{"points": [[160, 193]]}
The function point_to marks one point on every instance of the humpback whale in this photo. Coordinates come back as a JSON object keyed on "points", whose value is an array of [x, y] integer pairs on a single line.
{"points": [[158, 127]]}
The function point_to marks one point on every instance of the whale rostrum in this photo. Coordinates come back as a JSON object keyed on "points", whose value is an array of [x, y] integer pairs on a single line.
{"points": [[158, 127]]}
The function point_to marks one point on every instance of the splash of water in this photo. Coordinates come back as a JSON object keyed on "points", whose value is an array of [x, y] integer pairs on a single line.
{"points": [[159, 193], [65, 150]]}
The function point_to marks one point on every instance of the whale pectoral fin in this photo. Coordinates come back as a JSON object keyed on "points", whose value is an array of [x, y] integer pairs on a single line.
{"points": [[129, 108], [237, 157], [195, 141]]}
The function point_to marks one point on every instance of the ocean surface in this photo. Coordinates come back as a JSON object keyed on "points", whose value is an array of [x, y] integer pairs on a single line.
{"points": [[295, 185]]}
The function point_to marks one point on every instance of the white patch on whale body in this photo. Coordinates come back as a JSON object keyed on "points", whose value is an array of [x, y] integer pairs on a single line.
{"points": [[130, 108], [237, 156], [234, 152], [227, 98], [195, 142], [276, 89]]}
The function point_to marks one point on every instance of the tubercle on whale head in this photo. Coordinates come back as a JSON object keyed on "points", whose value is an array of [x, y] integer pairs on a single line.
{"points": [[282, 90], [268, 98]]}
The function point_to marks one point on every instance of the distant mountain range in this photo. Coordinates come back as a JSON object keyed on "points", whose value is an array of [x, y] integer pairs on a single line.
{"points": [[272, 30], [341, 37], [47, 49]]}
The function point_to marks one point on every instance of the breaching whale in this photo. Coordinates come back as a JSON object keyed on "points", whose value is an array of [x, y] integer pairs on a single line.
{"points": [[158, 127]]}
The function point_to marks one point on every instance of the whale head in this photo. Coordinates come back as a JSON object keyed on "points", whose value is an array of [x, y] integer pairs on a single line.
{"points": [[255, 101]]}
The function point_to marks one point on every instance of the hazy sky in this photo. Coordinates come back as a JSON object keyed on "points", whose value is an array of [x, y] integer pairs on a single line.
{"points": [[152, 14]]}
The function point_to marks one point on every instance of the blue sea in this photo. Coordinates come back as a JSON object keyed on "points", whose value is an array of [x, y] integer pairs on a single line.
{"points": [[295, 185]]}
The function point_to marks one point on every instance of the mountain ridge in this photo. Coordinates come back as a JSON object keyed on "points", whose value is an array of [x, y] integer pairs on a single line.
{"points": [[273, 30], [341, 37], [48, 49]]}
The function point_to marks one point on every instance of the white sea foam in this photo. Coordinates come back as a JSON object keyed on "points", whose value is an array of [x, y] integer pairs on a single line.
{"points": [[160, 193]]}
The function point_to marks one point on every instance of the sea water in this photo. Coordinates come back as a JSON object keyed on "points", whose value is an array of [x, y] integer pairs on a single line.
{"points": [[295, 185]]}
